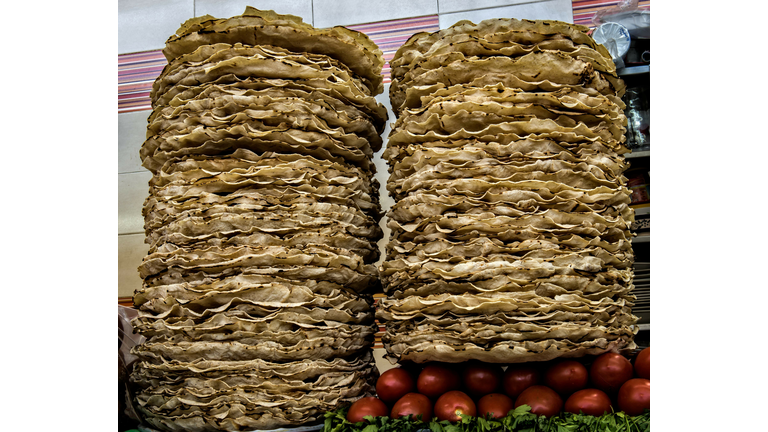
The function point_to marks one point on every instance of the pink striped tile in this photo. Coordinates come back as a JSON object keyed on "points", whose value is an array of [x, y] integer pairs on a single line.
{"points": [[136, 72]]}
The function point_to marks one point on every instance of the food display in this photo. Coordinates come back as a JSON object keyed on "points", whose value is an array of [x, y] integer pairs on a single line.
{"points": [[262, 220], [554, 395], [510, 229], [508, 275]]}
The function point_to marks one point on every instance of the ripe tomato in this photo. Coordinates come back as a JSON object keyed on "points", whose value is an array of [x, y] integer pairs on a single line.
{"points": [[496, 404], [643, 364], [481, 379], [367, 406], [542, 400], [635, 396], [609, 371], [436, 379], [394, 384], [589, 401], [566, 377], [519, 377], [413, 404], [451, 404]]}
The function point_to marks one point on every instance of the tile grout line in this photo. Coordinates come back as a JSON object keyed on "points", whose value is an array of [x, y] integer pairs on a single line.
{"points": [[130, 233], [491, 7]]}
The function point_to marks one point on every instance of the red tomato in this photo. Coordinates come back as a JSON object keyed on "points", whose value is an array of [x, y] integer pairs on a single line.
{"points": [[496, 404], [481, 379], [436, 379], [643, 364], [542, 400], [519, 377], [367, 406], [413, 404], [635, 396], [590, 401], [609, 371], [450, 405], [566, 377], [394, 384]]}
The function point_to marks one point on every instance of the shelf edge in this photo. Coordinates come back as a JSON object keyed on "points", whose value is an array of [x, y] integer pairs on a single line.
{"points": [[634, 70], [637, 155]]}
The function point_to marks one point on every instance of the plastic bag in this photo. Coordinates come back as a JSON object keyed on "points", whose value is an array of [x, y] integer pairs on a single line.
{"points": [[615, 38], [627, 13]]}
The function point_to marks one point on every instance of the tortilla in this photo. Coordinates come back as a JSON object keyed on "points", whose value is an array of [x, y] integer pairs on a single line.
{"points": [[258, 27]]}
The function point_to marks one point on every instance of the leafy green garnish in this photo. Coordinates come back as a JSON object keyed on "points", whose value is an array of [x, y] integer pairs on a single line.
{"points": [[518, 420]]}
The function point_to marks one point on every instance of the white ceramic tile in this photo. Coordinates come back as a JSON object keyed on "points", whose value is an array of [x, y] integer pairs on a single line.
{"points": [[561, 10], [382, 364], [144, 25], [381, 164], [382, 174], [448, 6], [131, 132], [131, 249], [230, 8], [132, 190], [329, 13]]}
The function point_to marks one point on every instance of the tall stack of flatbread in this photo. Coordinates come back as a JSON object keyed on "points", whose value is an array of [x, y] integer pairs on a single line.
{"points": [[262, 220], [510, 229]]}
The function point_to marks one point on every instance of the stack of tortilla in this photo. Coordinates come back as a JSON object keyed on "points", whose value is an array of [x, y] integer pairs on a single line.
{"points": [[510, 229], [262, 220]]}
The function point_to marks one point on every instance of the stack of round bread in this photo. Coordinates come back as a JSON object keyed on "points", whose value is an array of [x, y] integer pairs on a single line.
{"points": [[510, 229], [262, 220]]}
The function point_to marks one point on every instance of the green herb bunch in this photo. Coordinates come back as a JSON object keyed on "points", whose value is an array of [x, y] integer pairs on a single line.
{"points": [[519, 420]]}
